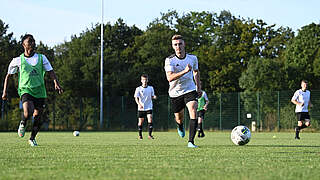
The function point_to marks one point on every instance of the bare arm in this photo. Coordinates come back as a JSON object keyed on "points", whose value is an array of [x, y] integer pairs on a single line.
{"points": [[171, 76], [196, 76], [56, 82], [138, 103], [5, 87], [310, 104], [205, 107], [297, 103]]}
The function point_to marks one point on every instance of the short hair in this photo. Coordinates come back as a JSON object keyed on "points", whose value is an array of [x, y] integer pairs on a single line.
{"points": [[26, 36], [305, 81], [176, 37], [144, 75]]}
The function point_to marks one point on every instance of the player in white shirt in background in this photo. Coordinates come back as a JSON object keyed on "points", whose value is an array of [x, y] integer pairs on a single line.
{"points": [[143, 96], [184, 86], [301, 99]]}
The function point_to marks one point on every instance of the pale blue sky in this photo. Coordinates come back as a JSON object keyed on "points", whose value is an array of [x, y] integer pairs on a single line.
{"points": [[54, 21]]}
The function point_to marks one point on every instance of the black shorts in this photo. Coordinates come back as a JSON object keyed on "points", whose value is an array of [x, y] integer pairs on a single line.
{"points": [[201, 113], [143, 114], [179, 103], [301, 116], [37, 102]]}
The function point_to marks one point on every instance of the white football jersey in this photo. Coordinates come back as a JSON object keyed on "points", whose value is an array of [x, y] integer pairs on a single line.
{"points": [[145, 95], [304, 97], [186, 82], [15, 64]]}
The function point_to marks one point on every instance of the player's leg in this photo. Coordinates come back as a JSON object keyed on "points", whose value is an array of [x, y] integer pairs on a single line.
{"points": [[303, 122], [179, 120], [37, 120], [140, 123], [28, 108], [192, 108], [150, 124], [178, 106], [297, 129], [191, 102], [307, 122], [200, 120]]}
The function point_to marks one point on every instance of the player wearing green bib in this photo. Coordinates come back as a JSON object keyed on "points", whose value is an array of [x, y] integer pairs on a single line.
{"points": [[203, 102], [31, 89]]}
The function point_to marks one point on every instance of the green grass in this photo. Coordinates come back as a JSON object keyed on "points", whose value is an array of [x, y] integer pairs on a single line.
{"points": [[120, 155]]}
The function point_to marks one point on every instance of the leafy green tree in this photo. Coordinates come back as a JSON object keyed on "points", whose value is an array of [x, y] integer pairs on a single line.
{"points": [[302, 57], [9, 48], [263, 74], [151, 49]]}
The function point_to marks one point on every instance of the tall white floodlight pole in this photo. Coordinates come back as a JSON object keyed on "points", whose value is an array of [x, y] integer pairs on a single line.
{"points": [[101, 70]]}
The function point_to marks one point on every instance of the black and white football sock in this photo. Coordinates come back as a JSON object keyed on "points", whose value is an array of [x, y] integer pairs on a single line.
{"points": [[297, 130], [35, 127], [180, 126], [140, 130], [200, 127], [150, 127], [24, 120]]}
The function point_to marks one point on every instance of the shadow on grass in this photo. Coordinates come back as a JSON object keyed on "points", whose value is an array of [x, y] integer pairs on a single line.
{"points": [[284, 145]]}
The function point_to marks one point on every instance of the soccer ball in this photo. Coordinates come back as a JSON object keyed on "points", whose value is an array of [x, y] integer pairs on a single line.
{"points": [[240, 135], [76, 133]]}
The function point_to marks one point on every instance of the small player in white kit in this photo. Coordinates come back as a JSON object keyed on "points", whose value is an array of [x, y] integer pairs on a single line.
{"points": [[143, 96], [301, 99]]}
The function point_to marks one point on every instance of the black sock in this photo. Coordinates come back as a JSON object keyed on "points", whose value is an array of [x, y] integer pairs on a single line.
{"points": [[24, 120], [140, 130], [297, 131], [192, 130], [180, 126], [150, 125], [36, 127], [200, 127]]}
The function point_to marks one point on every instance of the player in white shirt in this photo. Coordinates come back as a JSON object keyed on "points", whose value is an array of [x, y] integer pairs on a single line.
{"points": [[301, 99], [184, 86], [143, 96], [31, 89]]}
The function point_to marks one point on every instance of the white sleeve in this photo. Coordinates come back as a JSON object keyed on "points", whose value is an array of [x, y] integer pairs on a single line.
{"points": [[295, 96], [167, 66], [136, 92], [195, 64], [14, 66], [46, 64]]}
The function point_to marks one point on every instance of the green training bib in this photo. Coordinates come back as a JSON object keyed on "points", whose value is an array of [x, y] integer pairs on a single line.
{"points": [[31, 78]]}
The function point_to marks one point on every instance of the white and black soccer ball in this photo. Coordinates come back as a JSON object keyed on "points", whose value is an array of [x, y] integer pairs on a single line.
{"points": [[240, 135], [76, 133]]}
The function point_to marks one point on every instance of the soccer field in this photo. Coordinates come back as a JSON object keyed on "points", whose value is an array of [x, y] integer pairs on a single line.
{"points": [[120, 155]]}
